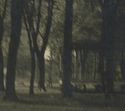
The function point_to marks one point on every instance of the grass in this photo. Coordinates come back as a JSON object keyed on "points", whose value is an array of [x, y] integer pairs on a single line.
{"points": [[53, 101], [7, 106]]}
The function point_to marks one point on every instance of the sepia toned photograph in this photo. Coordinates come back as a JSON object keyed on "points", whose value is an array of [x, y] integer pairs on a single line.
{"points": [[62, 55]]}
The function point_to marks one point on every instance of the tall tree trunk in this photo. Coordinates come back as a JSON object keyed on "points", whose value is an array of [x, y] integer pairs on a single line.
{"points": [[32, 52], [2, 17], [43, 47], [16, 15], [110, 71], [109, 12], [33, 66], [31, 90], [1, 71], [1, 56], [122, 65], [67, 50], [42, 72], [101, 69]]}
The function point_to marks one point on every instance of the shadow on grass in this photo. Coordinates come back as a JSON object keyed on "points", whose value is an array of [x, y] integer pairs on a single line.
{"points": [[79, 100]]}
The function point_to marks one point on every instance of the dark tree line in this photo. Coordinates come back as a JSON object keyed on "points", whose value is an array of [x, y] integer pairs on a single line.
{"points": [[27, 10], [30, 12]]}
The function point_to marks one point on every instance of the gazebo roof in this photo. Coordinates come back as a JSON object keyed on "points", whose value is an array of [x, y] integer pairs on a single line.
{"points": [[93, 45]]}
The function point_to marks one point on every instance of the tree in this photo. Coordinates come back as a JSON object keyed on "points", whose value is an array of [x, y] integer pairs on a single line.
{"points": [[67, 49], [45, 38], [33, 59], [2, 17], [16, 17], [109, 9], [34, 23], [32, 32]]}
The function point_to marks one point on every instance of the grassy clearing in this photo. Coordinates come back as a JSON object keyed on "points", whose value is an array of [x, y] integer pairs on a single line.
{"points": [[51, 101], [7, 106]]}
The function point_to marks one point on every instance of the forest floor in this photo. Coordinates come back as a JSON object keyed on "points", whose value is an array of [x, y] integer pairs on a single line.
{"points": [[53, 101]]}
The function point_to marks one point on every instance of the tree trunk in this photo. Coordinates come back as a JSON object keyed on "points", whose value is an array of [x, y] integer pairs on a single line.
{"points": [[110, 65], [1, 71], [67, 50], [2, 17], [42, 72], [31, 90], [32, 52], [1, 56], [13, 48], [101, 69], [109, 12], [43, 47], [33, 66], [122, 65]]}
